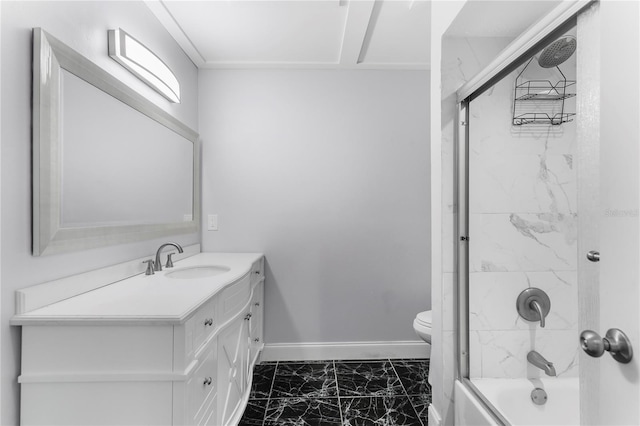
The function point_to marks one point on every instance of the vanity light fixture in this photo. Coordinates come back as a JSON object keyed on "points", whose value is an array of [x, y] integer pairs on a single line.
{"points": [[144, 64]]}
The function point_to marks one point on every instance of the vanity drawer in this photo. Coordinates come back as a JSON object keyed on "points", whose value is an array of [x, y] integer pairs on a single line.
{"points": [[202, 388], [257, 271], [234, 298], [205, 323]]}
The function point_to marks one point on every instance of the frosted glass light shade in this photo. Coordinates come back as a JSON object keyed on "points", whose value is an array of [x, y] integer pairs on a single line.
{"points": [[144, 64]]}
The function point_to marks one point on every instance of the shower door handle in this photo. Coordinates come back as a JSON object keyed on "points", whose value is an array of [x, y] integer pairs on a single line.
{"points": [[615, 342]]}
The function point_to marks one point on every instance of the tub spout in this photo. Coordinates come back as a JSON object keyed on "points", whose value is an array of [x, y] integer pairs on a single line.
{"points": [[539, 361]]}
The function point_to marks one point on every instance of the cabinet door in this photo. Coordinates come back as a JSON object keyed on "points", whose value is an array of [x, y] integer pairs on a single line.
{"points": [[201, 388], [233, 366]]}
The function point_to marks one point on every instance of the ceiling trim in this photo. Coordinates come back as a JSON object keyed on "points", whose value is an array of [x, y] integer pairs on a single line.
{"points": [[355, 31], [316, 65], [358, 28], [165, 17], [371, 26]]}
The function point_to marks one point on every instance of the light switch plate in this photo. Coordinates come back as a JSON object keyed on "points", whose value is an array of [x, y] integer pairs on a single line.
{"points": [[212, 222]]}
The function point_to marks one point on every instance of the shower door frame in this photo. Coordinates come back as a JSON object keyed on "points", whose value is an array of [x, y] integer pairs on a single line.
{"points": [[524, 47]]}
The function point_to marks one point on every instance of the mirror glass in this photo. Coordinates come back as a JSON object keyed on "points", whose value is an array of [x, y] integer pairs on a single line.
{"points": [[109, 166], [127, 170]]}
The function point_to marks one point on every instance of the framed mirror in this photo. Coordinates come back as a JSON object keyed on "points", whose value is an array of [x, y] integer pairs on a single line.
{"points": [[109, 166]]}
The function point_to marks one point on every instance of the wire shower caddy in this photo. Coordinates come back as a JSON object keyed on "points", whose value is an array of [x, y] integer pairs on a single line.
{"points": [[541, 102]]}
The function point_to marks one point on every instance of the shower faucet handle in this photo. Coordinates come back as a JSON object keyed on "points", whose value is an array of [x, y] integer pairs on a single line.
{"points": [[536, 306], [533, 304], [615, 342]]}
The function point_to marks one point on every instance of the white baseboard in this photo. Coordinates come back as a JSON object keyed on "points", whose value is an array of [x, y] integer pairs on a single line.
{"points": [[344, 350], [433, 416]]}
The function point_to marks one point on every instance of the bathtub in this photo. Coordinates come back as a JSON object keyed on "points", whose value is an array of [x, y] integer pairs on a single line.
{"points": [[512, 398]]}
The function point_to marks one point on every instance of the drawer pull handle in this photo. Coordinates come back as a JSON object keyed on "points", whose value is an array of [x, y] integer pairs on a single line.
{"points": [[248, 316], [208, 381], [257, 303], [208, 321], [257, 272], [256, 340]]}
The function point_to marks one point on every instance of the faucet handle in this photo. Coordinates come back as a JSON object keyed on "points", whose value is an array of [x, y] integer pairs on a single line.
{"points": [[533, 304], [536, 306], [169, 263], [149, 270]]}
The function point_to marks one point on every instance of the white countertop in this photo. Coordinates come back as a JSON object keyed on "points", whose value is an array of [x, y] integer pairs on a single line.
{"points": [[145, 299]]}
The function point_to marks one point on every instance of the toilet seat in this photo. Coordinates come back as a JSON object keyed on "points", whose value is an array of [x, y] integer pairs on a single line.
{"points": [[424, 318], [422, 325]]}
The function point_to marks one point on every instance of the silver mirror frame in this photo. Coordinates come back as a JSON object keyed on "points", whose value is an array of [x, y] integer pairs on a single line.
{"points": [[49, 57]]}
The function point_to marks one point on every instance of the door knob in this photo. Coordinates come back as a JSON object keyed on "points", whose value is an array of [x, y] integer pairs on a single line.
{"points": [[593, 256], [615, 342]]}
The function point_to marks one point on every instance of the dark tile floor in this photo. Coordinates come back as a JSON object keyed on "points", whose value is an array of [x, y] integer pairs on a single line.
{"points": [[349, 393]]}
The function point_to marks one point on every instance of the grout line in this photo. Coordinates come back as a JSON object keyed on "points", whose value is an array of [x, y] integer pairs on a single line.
{"points": [[405, 392], [335, 373], [273, 379]]}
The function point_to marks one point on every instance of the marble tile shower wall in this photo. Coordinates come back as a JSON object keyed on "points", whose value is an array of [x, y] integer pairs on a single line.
{"points": [[462, 58], [523, 233]]}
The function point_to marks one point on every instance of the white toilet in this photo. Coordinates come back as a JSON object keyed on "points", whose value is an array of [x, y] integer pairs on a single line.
{"points": [[422, 327]]}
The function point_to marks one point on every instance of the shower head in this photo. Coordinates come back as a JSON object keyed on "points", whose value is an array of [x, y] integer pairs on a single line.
{"points": [[557, 52]]}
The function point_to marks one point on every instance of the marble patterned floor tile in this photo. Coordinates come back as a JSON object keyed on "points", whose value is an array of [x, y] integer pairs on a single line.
{"points": [[384, 411], [306, 369], [413, 375], [383, 381], [303, 412], [368, 379], [262, 381], [421, 405], [310, 380], [254, 413]]}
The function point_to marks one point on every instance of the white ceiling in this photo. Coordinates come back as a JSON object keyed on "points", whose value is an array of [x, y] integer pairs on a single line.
{"points": [[362, 34], [499, 18]]}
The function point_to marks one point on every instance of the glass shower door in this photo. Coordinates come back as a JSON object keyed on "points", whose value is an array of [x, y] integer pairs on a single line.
{"points": [[522, 212], [556, 207], [522, 215]]}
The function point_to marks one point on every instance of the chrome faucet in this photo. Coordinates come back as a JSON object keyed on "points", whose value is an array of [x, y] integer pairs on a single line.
{"points": [[539, 361], [533, 304], [538, 308], [157, 265]]}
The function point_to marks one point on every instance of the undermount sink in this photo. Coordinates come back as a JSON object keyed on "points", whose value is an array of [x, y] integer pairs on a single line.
{"points": [[197, 272]]}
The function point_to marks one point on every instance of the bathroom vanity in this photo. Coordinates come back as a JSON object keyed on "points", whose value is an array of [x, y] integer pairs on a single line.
{"points": [[174, 348]]}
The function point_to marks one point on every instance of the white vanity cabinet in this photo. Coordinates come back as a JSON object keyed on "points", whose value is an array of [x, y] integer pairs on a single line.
{"points": [[103, 371]]}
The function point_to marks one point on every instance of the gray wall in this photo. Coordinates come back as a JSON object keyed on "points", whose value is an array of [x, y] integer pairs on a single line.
{"points": [[83, 26], [327, 173]]}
